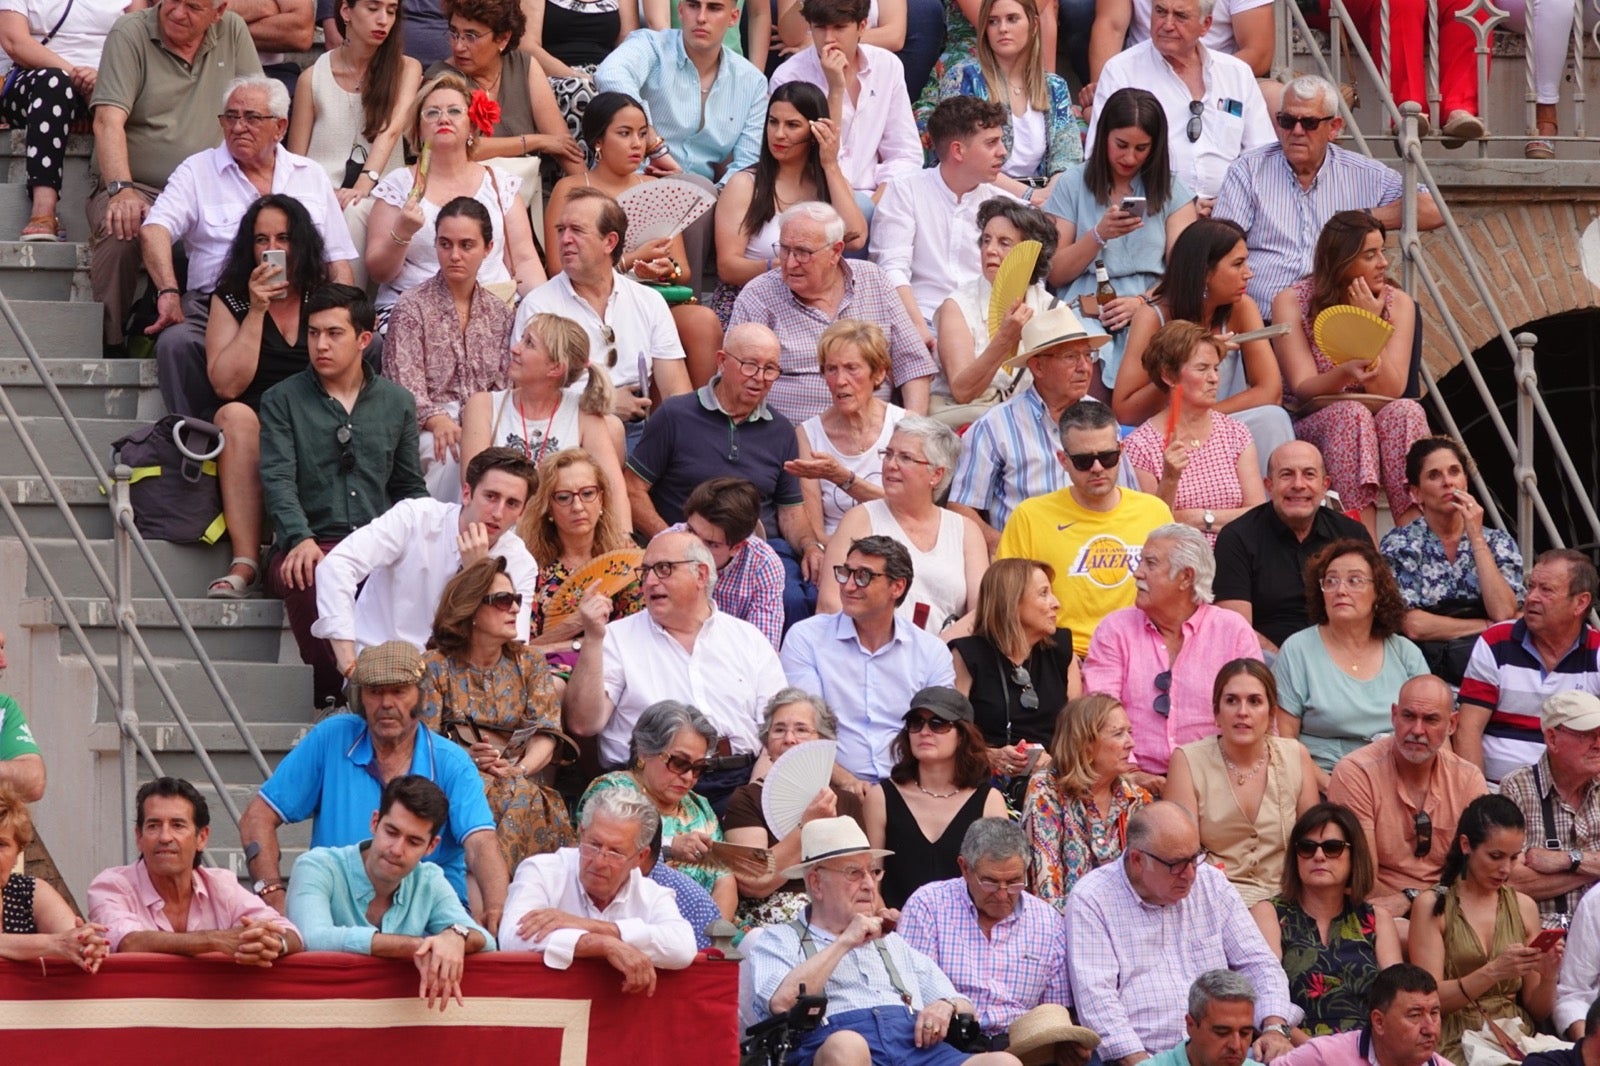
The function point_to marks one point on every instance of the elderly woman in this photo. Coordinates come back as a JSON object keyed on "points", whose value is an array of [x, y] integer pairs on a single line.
{"points": [[939, 786], [841, 449], [973, 375], [1160, 657], [1200, 462], [496, 698], [666, 756], [792, 718], [1332, 942], [948, 553], [1076, 809], [35, 922], [1244, 786], [1017, 667], [1338, 678]]}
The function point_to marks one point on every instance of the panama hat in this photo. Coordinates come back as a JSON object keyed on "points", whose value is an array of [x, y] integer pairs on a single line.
{"points": [[1035, 1035], [1049, 330], [822, 839]]}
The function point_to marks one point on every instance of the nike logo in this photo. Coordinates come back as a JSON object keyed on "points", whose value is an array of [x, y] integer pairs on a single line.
{"points": [[1069, 525]]}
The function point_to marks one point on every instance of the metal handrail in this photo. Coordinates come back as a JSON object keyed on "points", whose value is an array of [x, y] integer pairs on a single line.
{"points": [[131, 641]]}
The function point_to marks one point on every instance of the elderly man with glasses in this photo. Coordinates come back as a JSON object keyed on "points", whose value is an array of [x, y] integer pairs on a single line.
{"points": [[1143, 928]]}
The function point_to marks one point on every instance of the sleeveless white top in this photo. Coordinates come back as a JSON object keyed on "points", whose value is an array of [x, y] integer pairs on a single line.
{"points": [[866, 466], [338, 126], [939, 577], [536, 438], [972, 300]]}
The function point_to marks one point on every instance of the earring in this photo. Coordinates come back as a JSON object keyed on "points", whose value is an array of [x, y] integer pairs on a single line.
{"points": [[597, 153], [1205, 290]]}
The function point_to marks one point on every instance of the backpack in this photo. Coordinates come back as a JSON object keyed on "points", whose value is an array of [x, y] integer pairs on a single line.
{"points": [[174, 488]]}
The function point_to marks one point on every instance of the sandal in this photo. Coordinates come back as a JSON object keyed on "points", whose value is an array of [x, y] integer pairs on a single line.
{"points": [[231, 586], [41, 228], [1541, 147]]}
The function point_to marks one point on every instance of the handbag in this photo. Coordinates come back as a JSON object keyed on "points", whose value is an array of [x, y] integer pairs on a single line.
{"points": [[16, 71], [354, 167], [174, 489]]}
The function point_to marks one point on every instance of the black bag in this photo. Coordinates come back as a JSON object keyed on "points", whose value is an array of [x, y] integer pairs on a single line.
{"points": [[174, 489], [1448, 658]]}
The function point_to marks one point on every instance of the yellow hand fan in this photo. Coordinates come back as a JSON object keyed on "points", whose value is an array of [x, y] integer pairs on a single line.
{"points": [[606, 574], [1011, 281], [1346, 333], [419, 184]]}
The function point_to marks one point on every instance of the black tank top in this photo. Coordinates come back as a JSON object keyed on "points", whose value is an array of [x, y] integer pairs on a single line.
{"points": [[916, 859]]}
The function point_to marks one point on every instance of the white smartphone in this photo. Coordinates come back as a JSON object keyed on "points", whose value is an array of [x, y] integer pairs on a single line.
{"points": [[276, 257], [1134, 205]]}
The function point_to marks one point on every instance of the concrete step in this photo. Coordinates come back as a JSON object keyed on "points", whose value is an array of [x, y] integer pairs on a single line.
{"points": [[57, 445], [267, 693], [92, 387], [189, 568], [46, 272], [36, 506], [74, 191], [248, 630]]}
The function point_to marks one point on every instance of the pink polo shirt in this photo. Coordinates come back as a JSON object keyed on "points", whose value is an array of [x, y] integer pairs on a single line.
{"points": [[125, 900], [1126, 654]]}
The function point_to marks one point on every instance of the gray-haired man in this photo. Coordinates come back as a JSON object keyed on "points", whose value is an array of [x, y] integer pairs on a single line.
{"points": [[1221, 1022]]}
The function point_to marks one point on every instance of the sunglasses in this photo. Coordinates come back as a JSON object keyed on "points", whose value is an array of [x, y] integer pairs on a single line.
{"points": [[347, 456], [680, 765], [610, 336], [928, 722], [862, 576], [1423, 825], [1162, 704], [1086, 460], [1029, 698], [506, 601], [1305, 122], [1193, 129], [1331, 848]]}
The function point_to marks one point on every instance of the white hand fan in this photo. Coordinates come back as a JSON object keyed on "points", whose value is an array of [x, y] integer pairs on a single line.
{"points": [[663, 208], [793, 782]]}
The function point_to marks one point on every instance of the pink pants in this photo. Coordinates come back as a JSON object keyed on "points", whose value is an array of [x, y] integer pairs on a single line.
{"points": [[1458, 64]]}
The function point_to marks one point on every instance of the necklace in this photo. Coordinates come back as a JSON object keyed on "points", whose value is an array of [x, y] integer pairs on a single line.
{"points": [[1241, 776], [937, 795], [544, 441]]}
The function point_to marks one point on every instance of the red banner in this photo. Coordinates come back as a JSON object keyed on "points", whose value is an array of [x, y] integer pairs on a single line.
{"points": [[160, 1009]]}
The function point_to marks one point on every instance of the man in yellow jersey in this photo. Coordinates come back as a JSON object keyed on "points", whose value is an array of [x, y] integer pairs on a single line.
{"points": [[1092, 531]]}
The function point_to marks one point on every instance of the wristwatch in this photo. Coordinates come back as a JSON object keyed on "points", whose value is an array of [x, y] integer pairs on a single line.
{"points": [[1210, 519], [1281, 1030], [463, 931], [372, 175], [267, 884], [117, 186], [1576, 858]]}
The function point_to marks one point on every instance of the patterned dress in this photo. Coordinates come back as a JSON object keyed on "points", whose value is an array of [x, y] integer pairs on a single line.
{"points": [[1063, 133], [1069, 836], [1211, 477], [960, 45], [515, 696], [1362, 450], [694, 815], [1329, 981], [16, 905]]}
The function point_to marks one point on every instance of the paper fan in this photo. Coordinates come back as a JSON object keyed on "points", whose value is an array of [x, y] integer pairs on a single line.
{"points": [[1346, 333], [741, 860], [664, 208], [1011, 281], [793, 782], [606, 574]]}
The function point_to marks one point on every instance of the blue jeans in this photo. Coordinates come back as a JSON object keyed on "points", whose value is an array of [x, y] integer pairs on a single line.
{"points": [[925, 40], [799, 595], [1073, 24]]}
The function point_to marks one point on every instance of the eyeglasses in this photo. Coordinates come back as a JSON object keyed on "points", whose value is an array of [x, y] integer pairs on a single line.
{"points": [[564, 497], [610, 855], [1176, 867], [1162, 704], [750, 368], [506, 601], [1354, 582], [1308, 123], [859, 574], [1013, 888], [855, 874], [786, 730], [347, 456], [1423, 826], [683, 766], [1331, 848], [919, 722], [1582, 736], [1029, 698], [1086, 460], [1070, 356], [1192, 130], [252, 119], [889, 454], [781, 252], [470, 36], [434, 114], [662, 569]]}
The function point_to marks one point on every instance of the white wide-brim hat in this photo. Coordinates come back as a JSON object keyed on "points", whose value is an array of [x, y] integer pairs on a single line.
{"points": [[830, 838]]}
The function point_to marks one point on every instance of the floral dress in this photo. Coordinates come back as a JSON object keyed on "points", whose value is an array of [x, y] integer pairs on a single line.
{"points": [[960, 45], [516, 696], [1329, 981], [1063, 132], [1069, 836], [694, 815]]}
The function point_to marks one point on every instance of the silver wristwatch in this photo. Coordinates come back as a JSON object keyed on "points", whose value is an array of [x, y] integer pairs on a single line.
{"points": [[463, 931]]}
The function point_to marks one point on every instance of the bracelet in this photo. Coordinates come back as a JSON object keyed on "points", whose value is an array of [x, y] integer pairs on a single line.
{"points": [[162, 292], [523, 140], [677, 269], [276, 886], [396, 238], [846, 486], [659, 151], [1094, 231], [769, 262], [651, 148]]}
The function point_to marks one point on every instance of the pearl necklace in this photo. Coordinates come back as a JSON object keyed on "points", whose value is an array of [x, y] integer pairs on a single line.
{"points": [[937, 795], [1241, 776]]}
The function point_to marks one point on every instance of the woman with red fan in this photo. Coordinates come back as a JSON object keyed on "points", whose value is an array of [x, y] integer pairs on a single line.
{"points": [[1364, 439]]}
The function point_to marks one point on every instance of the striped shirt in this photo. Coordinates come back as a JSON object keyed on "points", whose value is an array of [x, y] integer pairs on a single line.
{"points": [[1020, 964], [1506, 675], [1282, 219], [860, 981]]}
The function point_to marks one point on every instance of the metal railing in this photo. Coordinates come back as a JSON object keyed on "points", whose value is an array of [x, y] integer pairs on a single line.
{"points": [[132, 648], [1417, 271]]}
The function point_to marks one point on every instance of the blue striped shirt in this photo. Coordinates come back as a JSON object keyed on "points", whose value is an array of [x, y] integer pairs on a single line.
{"points": [[1282, 219]]}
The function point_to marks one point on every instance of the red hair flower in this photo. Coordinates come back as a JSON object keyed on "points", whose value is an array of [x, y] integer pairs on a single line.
{"points": [[483, 112]]}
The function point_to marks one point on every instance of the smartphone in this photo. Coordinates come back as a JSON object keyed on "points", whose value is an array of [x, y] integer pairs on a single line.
{"points": [[1548, 939], [1134, 205], [276, 257]]}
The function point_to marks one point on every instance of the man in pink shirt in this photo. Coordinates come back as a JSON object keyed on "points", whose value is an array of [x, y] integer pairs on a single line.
{"points": [[1402, 1026], [168, 903]]}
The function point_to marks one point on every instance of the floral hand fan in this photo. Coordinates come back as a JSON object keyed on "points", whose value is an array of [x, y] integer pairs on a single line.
{"points": [[793, 782], [1011, 281], [663, 208], [1346, 333], [606, 574]]}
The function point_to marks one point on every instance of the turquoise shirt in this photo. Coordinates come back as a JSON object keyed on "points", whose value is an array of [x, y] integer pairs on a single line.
{"points": [[329, 892]]}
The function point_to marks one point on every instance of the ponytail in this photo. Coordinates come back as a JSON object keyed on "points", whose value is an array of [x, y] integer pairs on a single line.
{"points": [[1483, 816]]}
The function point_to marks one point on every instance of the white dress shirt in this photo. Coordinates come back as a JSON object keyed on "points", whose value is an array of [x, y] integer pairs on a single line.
{"points": [[925, 236], [639, 320], [877, 134], [207, 196], [645, 913], [1580, 966], [1223, 134], [729, 677], [406, 556]]}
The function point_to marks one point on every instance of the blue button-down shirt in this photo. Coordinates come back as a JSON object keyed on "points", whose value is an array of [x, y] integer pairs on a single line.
{"points": [[330, 891], [869, 691], [331, 775], [652, 67]]}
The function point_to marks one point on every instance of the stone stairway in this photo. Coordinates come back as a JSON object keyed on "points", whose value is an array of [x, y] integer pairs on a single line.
{"points": [[248, 642]]}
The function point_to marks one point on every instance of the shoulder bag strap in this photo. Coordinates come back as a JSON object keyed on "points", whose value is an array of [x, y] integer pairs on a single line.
{"points": [[60, 22], [1547, 811]]}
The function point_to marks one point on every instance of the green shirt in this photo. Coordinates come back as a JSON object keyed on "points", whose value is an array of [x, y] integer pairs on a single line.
{"points": [[15, 737], [311, 489]]}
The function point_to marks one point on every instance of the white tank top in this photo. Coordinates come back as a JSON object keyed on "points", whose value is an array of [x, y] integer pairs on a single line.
{"points": [[866, 466], [536, 438], [939, 577]]}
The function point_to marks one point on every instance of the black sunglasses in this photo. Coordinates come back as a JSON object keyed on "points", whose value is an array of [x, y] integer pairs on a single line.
{"points": [[1029, 699], [506, 601], [1086, 460], [1424, 829], [347, 456], [862, 577], [1331, 848], [918, 723], [1306, 122], [1162, 704], [680, 765], [1192, 131]]}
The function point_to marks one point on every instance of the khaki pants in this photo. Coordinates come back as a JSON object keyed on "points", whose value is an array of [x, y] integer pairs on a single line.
{"points": [[114, 266]]}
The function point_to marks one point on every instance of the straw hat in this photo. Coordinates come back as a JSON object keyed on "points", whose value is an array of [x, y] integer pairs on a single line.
{"points": [[1051, 329], [830, 838], [1034, 1036]]}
